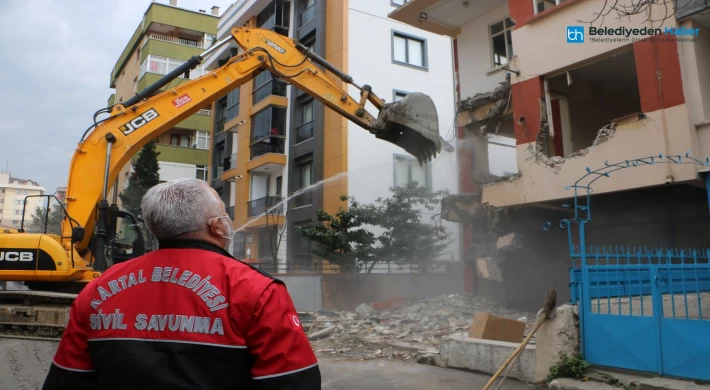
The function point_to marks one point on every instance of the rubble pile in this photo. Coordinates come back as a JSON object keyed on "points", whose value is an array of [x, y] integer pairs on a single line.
{"points": [[414, 330]]}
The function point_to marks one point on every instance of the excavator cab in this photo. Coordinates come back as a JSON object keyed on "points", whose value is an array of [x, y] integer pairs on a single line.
{"points": [[130, 239]]}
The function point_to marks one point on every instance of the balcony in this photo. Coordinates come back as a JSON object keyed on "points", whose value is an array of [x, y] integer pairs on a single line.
{"points": [[272, 144], [304, 132], [179, 154], [260, 206], [229, 168], [445, 17], [686, 8], [265, 85], [219, 126], [177, 41], [307, 15]]}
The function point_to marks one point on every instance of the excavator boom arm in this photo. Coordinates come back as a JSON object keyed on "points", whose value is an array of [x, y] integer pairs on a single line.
{"points": [[129, 128]]}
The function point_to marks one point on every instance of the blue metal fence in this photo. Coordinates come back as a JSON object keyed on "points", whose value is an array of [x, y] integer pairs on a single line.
{"points": [[645, 309]]}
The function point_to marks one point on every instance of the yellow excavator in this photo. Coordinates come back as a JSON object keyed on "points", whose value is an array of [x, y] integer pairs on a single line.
{"points": [[55, 267]]}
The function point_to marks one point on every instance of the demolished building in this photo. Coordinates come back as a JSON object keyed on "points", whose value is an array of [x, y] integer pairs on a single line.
{"points": [[536, 113]]}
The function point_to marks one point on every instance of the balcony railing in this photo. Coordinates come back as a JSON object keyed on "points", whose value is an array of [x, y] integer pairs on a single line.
{"points": [[274, 144], [260, 206], [178, 41], [306, 15], [270, 24]]}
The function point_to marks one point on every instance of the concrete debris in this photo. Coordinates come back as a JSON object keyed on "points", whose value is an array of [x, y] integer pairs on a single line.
{"points": [[571, 384], [410, 331], [554, 162], [499, 95], [322, 333], [365, 311]]}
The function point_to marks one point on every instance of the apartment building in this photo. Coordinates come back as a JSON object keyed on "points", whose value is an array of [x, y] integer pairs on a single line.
{"points": [[543, 94], [272, 140], [13, 193], [166, 37]]}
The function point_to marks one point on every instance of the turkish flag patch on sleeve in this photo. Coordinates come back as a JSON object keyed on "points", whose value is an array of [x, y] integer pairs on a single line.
{"points": [[293, 319]]}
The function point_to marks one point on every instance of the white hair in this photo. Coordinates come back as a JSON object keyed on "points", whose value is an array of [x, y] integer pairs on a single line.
{"points": [[179, 206]]}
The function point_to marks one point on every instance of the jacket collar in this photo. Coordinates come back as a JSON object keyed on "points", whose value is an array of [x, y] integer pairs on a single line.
{"points": [[192, 244]]}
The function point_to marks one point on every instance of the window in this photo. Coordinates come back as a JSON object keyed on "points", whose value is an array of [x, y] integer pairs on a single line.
{"points": [[301, 246], [305, 117], [239, 247], [279, 185], [218, 160], [543, 5], [18, 202], [202, 140], [232, 105], [135, 85], [180, 140], [163, 65], [304, 178], [308, 12], [22, 192], [398, 3], [17, 212], [398, 95], [407, 170], [265, 85], [409, 50], [501, 42], [201, 172], [268, 134]]}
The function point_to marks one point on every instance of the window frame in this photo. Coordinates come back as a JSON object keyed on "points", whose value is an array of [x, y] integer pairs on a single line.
{"points": [[300, 119], [428, 171], [398, 91], [203, 169], [505, 38], [425, 49]]}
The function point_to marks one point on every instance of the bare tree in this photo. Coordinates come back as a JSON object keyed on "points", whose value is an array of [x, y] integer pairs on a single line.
{"points": [[272, 220], [626, 8]]}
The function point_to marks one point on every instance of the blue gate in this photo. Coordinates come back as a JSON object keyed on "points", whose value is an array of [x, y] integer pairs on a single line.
{"points": [[645, 309]]}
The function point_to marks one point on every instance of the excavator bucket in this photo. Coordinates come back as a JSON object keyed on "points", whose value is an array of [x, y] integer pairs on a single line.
{"points": [[412, 124]]}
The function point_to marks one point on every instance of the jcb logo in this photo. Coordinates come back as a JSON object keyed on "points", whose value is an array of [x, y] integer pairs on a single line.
{"points": [[139, 122], [17, 256]]}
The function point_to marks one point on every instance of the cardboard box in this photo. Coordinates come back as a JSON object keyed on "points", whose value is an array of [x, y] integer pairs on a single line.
{"points": [[491, 327]]}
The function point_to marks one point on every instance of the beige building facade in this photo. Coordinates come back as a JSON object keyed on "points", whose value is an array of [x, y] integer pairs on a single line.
{"points": [[14, 201]]}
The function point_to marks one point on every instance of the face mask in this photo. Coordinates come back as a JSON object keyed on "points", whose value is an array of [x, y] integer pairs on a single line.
{"points": [[231, 233]]}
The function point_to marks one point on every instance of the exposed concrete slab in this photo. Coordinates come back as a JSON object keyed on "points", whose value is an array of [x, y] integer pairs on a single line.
{"points": [[571, 384], [668, 384], [557, 335], [487, 356]]}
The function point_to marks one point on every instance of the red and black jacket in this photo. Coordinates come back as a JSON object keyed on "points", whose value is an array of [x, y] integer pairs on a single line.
{"points": [[187, 316]]}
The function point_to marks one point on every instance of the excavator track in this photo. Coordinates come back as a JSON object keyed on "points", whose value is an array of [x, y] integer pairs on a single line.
{"points": [[34, 315]]}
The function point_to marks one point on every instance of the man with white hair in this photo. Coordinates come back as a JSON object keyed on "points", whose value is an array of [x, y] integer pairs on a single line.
{"points": [[186, 316]]}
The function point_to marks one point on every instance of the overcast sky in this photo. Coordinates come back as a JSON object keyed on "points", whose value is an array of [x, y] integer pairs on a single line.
{"points": [[56, 58]]}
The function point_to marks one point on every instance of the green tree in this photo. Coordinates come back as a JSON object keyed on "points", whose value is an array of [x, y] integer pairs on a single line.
{"points": [[54, 224], [145, 175], [407, 236], [343, 238]]}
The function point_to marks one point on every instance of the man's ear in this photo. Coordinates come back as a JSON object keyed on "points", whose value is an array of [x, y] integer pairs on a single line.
{"points": [[216, 227]]}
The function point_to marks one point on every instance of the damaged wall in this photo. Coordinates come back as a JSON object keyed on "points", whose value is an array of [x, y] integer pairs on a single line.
{"points": [[523, 260]]}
